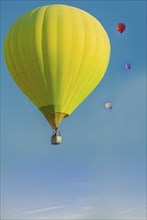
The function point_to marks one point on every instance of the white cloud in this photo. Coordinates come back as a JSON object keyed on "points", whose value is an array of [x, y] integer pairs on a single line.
{"points": [[45, 209]]}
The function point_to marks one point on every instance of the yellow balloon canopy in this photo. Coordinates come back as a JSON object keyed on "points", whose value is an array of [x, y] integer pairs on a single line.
{"points": [[57, 55]]}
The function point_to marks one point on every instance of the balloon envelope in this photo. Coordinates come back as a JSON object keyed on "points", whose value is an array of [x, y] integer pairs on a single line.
{"points": [[108, 105], [120, 27], [57, 55], [128, 66]]}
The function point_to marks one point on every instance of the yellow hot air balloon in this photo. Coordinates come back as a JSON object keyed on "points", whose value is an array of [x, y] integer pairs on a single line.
{"points": [[57, 55]]}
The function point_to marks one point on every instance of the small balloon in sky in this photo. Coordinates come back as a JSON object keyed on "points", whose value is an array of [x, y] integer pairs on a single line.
{"points": [[120, 27], [128, 66], [108, 105]]}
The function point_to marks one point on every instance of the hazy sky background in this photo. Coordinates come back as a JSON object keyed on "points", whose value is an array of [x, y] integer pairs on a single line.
{"points": [[99, 170]]}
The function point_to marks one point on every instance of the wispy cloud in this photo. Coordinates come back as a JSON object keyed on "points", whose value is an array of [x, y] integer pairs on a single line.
{"points": [[81, 208], [87, 208], [50, 208], [124, 211], [130, 210]]}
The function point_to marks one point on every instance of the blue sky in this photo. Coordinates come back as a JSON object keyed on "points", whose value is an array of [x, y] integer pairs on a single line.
{"points": [[99, 170]]}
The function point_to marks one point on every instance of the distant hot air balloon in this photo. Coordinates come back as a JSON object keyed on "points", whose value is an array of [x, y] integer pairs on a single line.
{"points": [[57, 55], [120, 27], [108, 105], [128, 66]]}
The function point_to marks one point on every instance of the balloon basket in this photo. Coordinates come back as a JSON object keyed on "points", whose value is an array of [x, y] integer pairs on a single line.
{"points": [[56, 139]]}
